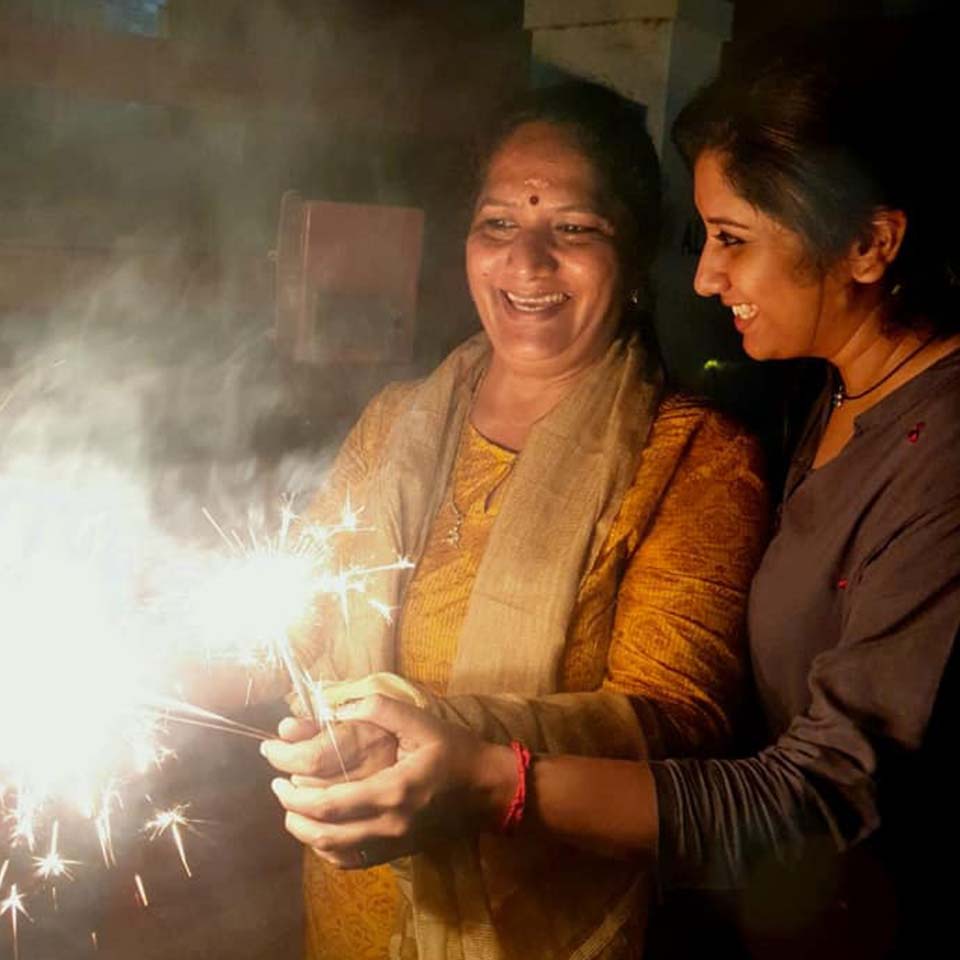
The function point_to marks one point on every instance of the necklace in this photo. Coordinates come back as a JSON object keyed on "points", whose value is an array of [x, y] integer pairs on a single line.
{"points": [[452, 536], [840, 395]]}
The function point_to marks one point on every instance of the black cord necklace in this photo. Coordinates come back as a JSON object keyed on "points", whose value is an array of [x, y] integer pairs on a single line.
{"points": [[840, 395]]}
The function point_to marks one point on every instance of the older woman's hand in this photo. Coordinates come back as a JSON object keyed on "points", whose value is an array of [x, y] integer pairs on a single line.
{"points": [[318, 756], [445, 781]]}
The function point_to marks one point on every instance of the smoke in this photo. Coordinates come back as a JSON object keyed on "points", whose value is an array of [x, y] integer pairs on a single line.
{"points": [[176, 397]]}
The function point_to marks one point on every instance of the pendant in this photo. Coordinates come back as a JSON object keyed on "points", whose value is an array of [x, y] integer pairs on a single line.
{"points": [[453, 534], [836, 400]]}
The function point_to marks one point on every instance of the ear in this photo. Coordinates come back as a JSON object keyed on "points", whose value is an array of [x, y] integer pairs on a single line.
{"points": [[873, 253]]}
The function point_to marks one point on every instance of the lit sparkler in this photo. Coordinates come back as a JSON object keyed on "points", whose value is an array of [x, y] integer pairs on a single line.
{"points": [[269, 585], [78, 652], [95, 606]]}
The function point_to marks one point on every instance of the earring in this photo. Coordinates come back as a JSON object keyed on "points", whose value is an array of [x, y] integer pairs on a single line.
{"points": [[895, 290], [634, 296]]}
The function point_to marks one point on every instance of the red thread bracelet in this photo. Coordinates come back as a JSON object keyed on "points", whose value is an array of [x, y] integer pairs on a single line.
{"points": [[514, 813]]}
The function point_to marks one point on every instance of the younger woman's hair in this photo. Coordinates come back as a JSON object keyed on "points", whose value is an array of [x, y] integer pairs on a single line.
{"points": [[823, 130]]}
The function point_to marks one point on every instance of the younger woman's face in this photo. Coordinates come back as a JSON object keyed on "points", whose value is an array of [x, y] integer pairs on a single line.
{"points": [[781, 305], [542, 255]]}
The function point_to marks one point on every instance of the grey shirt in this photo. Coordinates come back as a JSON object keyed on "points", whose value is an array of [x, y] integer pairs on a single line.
{"points": [[853, 616]]}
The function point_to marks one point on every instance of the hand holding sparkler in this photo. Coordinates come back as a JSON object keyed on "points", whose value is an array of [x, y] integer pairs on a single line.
{"points": [[311, 756], [446, 781]]}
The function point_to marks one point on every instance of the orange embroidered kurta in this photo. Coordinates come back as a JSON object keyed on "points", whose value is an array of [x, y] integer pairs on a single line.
{"points": [[659, 617]]}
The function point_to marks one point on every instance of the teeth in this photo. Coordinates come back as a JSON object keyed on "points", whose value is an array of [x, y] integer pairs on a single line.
{"points": [[533, 304], [745, 311]]}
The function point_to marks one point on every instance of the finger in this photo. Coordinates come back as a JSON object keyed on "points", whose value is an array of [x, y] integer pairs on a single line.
{"points": [[299, 708], [341, 802], [403, 720], [314, 802], [380, 755], [300, 780], [342, 844], [309, 757], [293, 729]]}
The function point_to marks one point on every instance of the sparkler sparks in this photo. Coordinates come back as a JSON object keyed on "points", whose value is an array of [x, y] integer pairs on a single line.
{"points": [[141, 890], [172, 820], [96, 606], [14, 906], [269, 585], [52, 866]]}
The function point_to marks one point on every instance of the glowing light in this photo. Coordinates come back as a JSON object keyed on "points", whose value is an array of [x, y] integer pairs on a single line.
{"points": [[14, 906], [71, 667], [141, 891], [171, 820], [97, 609], [52, 866]]}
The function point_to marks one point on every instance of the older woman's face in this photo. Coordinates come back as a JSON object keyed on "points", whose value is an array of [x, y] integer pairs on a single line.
{"points": [[542, 259], [781, 307]]}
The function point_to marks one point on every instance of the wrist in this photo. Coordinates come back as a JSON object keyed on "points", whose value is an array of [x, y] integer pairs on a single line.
{"points": [[496, 783], [513, 815]]}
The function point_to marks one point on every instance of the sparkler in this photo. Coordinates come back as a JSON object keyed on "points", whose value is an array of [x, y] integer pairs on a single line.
{"points": [[79, 650], [95, 604], [272, 583]]}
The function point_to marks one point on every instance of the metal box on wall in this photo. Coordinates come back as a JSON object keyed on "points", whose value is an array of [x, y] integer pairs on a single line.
{"points": [[347, 279]]}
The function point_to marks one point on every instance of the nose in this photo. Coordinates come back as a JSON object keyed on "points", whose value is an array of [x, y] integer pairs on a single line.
{"points": [[710, 279], [531, 253]]}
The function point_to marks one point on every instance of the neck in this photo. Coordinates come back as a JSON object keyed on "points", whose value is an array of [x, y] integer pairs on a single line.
{"points": [[870, 354], [511, 400]]}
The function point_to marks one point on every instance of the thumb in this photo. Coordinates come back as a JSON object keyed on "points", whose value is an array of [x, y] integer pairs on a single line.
{"points": [[403, 720]]}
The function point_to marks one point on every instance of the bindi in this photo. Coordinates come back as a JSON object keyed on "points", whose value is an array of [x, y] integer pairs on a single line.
{"points": [[534, 199]]}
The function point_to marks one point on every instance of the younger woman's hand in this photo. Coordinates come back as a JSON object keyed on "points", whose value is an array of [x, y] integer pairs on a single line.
{"points": [[445, 781]]}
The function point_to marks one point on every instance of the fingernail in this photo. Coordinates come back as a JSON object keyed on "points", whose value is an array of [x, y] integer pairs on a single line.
{"points": [[346, 711], [277, 785]]}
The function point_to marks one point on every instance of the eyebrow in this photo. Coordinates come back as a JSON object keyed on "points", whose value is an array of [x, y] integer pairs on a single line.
{"points": [[568, 208], [725, 222], [496, 202]]}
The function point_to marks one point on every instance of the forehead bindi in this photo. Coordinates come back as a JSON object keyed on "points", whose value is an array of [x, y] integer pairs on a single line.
{"points": [[538, 164]]}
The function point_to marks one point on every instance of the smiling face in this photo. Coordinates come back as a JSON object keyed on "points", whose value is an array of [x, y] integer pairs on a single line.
{"points": [[542, 255], [782, 306]]}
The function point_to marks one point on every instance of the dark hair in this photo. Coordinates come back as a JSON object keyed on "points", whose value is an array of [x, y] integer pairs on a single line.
{"points": [[821, 131], [611, 132]]}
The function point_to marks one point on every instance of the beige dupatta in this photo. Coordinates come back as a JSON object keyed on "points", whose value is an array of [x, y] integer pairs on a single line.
{"points": [[557, 510]]}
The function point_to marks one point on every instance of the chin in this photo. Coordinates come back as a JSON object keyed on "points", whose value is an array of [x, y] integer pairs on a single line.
{"points": [[757, 349], [541, 346]]}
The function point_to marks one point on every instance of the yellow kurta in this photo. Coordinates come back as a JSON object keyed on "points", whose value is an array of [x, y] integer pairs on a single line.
{"points": [[659, 616]]}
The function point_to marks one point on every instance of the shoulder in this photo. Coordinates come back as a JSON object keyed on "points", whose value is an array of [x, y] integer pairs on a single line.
{"points": [[908, 457], [381, 413], [691, 430]]}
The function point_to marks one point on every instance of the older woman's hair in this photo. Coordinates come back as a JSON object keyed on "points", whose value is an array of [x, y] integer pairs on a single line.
{"points": [[822, 131], [611, 132]]}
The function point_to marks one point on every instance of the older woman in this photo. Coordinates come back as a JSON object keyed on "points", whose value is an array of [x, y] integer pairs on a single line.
{"points": [[827, 238], [582, 543]]}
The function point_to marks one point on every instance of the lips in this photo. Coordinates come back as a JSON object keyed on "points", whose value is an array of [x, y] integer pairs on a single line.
{"points": [[743, 314], [535, 303]]}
